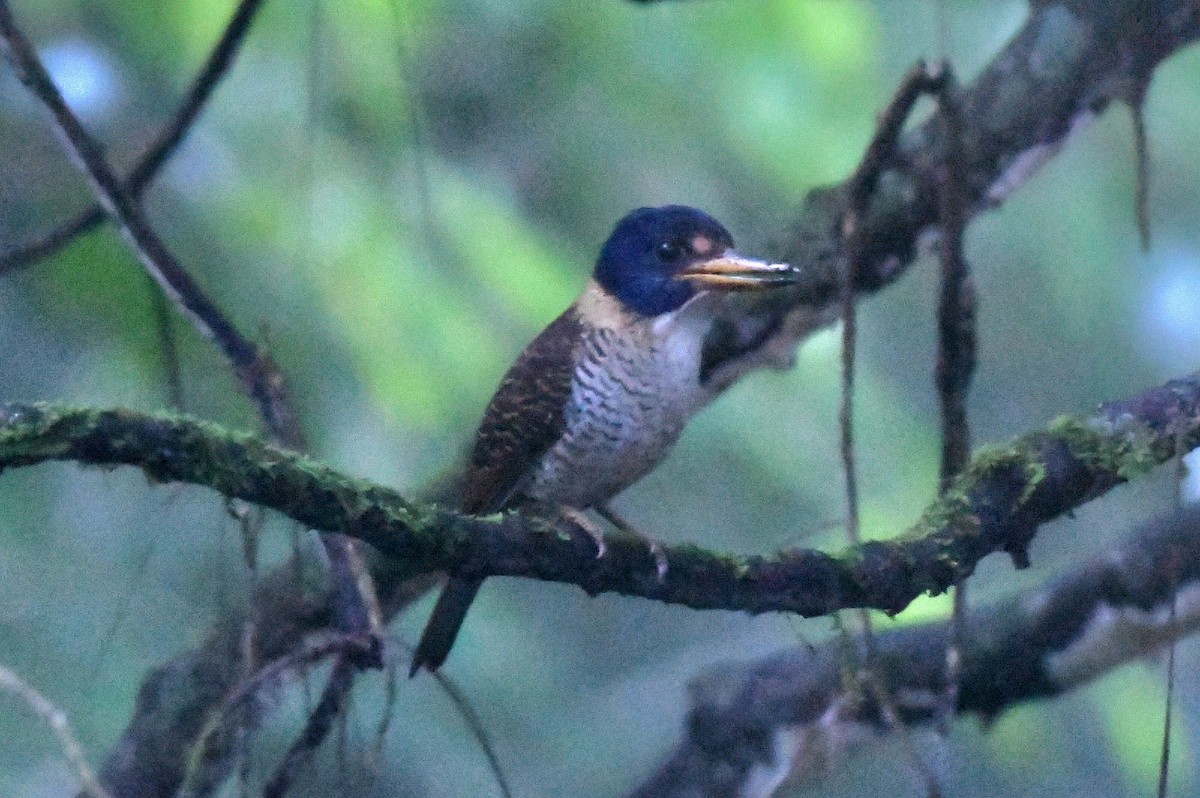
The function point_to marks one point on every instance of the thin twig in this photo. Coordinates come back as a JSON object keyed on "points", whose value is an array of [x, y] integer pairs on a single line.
{"points": [[1141, 146], [955, 364], [846, 407], [880, 154], [1141, 69], [477, 729], [849, 347], [956, 306], [160, 151], [890, 713], [314, 650], [253, 368], [56, 719], [1174, 569], [880, 151], [1164, 759], [168, 348], [320, 721], [329, 708], [374, 756]]}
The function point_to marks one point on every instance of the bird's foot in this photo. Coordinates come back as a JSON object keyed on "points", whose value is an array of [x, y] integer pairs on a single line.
{"points": [[656, 550], [587, 525]]}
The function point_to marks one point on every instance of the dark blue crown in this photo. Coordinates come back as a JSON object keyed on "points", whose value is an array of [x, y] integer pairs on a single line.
{"points": [[647, 248]]}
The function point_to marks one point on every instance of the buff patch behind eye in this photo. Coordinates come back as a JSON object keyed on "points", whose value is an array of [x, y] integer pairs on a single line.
{"points": [[702, 245]]}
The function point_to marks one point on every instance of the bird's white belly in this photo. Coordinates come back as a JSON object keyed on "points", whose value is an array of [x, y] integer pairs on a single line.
{"points": [[630, 401]]}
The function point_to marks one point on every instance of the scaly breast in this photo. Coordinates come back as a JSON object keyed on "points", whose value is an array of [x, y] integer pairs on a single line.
{"points": [[633, 392]]}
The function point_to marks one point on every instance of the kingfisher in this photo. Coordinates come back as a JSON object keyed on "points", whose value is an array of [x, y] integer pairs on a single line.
{"points": [[601, 395]]}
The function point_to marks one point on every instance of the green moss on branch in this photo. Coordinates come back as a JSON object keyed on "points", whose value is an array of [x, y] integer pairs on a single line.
{"points": [[997, 504]]}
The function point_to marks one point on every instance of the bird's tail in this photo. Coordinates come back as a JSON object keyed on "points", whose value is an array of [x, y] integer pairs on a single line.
{"points": [[444, 622]]}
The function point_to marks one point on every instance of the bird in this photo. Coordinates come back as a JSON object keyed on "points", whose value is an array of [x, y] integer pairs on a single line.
{"points": [[601, 395]]}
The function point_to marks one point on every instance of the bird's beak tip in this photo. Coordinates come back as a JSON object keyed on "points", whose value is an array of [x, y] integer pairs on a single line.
{"points": [[733, 272]]}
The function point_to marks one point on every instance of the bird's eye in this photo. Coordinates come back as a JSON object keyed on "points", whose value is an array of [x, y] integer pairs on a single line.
{"points": [[669, 251]]}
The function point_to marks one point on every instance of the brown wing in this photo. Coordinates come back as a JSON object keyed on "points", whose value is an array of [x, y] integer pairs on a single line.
{"points": [[525, 417]]}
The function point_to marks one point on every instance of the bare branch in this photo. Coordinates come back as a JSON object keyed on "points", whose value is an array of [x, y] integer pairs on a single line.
{"points": [[320, 721], [1061, 69], [160, 151], [345, 647], [256, 371], [56, 719], [791, 718], [955, 364]]}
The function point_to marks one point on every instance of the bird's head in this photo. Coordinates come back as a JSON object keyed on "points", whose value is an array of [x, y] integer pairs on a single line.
{"points": [[659, 258]]}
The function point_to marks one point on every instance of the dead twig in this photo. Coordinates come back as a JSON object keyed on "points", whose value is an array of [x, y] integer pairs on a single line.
{"points": [[219, 61], [56, 719]]}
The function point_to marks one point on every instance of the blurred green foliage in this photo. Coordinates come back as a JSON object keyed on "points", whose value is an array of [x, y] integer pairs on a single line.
{"points": [[395, 196]]}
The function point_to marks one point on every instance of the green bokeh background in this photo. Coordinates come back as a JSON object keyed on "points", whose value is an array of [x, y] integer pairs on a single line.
{"points": [[396, 195]]}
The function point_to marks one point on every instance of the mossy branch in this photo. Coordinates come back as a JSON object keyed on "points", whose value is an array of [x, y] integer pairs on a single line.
{"points": [[997, 504]]}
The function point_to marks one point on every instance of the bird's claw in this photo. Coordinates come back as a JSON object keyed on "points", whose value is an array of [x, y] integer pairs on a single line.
{"points": [[586, 524], [656, 549], [660, 559], [597, 538]]}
